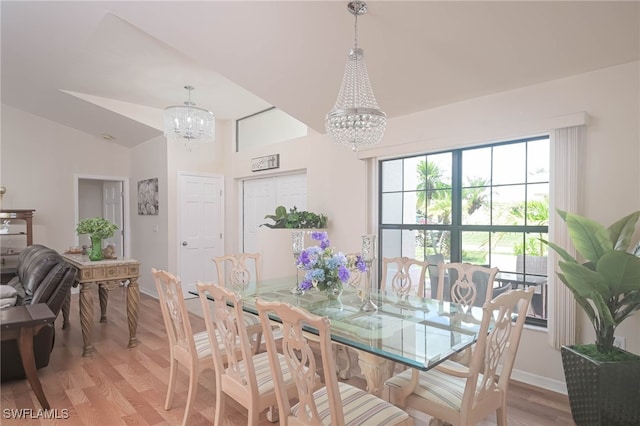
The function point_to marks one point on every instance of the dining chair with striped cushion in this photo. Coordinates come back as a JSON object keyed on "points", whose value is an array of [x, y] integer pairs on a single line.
{"points": [[336, 403], [191, 350], [237, 271], [246, 378], [461, 395], [403, 275], [357, 281], [465, 284]]}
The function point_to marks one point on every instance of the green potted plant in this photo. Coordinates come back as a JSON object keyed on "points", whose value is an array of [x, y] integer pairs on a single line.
{"points": [[294, 219], [603, 381], [98, 229], [285, 232]]}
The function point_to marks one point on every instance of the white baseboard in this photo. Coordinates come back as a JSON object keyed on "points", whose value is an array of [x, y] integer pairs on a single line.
{"points": [[148, 292], [539, 381]]}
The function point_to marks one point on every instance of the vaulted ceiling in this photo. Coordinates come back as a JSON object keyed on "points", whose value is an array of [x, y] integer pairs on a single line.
{"points": [[112, 67]]}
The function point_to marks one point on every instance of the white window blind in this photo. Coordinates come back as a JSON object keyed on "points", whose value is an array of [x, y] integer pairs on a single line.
{"points": [[564, 194]]}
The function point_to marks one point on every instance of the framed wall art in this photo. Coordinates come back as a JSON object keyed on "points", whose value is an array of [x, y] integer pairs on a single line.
{"points": [[148, 197]]}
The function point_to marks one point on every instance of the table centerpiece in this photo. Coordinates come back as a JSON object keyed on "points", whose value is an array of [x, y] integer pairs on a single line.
{"points": [[326, 269]]}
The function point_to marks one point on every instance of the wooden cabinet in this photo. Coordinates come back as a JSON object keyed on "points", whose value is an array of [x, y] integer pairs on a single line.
{"points": [[16, 233]]}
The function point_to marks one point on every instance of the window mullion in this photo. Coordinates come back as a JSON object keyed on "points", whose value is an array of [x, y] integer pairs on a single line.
{"points": [[456, 207]]}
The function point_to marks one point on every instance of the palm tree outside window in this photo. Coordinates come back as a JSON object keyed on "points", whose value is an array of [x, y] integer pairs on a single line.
{"points": [[487, 205]]}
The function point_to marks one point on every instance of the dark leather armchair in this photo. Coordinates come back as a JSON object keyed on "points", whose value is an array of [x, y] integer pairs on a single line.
{"points": [[45, 278]]}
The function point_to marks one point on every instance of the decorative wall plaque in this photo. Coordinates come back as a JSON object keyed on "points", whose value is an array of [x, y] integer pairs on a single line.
{"points": [[265, 163]]}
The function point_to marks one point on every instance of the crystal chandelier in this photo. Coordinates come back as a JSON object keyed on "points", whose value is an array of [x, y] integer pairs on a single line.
{"points": [[188, 122], [356, 118]]}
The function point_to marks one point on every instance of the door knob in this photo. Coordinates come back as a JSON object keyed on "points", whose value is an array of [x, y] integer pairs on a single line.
{"points": [[184, 243]]}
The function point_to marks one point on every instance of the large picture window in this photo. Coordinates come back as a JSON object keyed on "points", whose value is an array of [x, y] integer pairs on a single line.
{"points": [[485, 205]]}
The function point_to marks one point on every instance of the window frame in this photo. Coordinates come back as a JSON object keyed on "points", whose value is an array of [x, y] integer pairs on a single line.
{"points": [[457, 228]]}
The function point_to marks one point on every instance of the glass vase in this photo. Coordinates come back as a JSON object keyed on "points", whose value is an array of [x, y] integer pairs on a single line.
{"points": [[368, 253], [334, 292], [297, 245], [96, 249]]}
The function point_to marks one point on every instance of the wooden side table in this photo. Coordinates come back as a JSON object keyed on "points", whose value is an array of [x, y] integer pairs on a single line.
{"points": [[106, 274], [22, 323]]}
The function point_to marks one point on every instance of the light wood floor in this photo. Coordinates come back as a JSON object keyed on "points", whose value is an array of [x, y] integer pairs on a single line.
{"points": [[121, 386]]}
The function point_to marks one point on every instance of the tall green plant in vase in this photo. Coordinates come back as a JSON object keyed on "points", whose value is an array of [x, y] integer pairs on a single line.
{"points": [[98, 229], [607, 285], [602, 380]]}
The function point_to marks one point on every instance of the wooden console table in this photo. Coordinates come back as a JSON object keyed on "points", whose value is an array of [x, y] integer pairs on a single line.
{"points": [[21, 230], [106, 274], [22, 323]]}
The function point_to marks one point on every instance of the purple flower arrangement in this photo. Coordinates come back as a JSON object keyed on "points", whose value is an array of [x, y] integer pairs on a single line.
{"points": [[325, 268]]}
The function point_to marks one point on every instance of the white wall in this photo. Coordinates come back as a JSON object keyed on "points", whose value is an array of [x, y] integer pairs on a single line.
{"points": [[38, 161], [149, 233], [335, 183], [89, 198], [609, 97], [336, 177], [204, 158], [268, 127], [164, 159], [89, 203]]}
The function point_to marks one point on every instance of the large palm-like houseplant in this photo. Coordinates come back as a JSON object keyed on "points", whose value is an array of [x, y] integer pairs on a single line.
{"points": [[607, 287]]}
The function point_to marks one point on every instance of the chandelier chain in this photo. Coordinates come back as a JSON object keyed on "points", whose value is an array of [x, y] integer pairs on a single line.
{"points": [[355, 31], [356, 87], [188, 102]]}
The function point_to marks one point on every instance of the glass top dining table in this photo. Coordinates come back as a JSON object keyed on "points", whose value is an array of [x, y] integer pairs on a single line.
{"points": [[417, 332]]}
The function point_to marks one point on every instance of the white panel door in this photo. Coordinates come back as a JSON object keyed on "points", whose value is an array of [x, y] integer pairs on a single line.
{"points": [[259, 199], [262, 196], [200, 227], [113, 212], [291, 190]]}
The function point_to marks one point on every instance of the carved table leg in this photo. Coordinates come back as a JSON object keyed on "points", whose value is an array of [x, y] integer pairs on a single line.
{"points": [[86, 317], [343, 373], [376, 370], [103, 294], [133, 299], [65, 311]]}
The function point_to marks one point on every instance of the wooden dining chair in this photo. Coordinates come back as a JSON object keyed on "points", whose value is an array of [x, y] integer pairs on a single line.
{"points": [[336, 403], [186, 348], [404, 275], [357, 281], [246, 378], [235, 272], [432, 271], [465, 284], [461, 395], [535, 265]]}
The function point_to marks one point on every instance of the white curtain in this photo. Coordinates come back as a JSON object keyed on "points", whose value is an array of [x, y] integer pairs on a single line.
{"points": [[564, 194]]}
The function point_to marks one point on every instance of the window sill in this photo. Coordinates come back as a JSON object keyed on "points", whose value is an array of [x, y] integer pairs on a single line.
{"points": [[535, 327]]}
